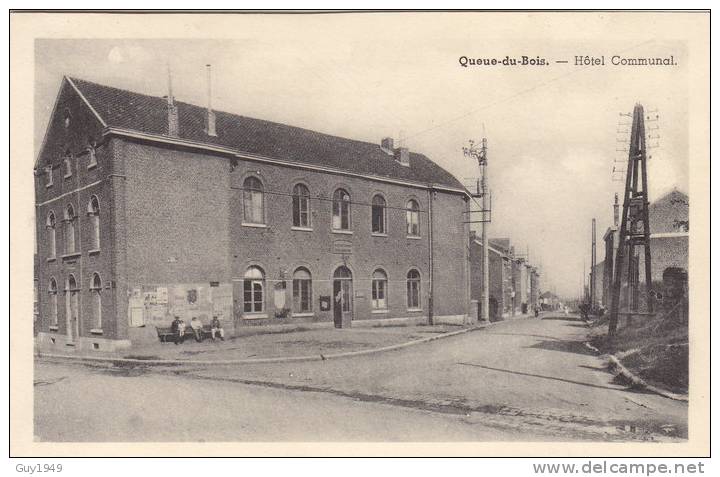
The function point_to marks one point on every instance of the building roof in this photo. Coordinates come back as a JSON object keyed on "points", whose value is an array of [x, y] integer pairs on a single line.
{"points": [[148, 114], [668, 212]]}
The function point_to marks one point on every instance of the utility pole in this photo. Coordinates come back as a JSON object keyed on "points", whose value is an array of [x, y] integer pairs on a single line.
{"points": [[635, 224], [480, 154], [593, 264]]}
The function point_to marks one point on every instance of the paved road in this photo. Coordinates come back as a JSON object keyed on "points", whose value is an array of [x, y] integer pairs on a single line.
{"points": [[518, 380]]}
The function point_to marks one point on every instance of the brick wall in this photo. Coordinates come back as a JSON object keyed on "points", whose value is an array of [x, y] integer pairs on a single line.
{"points": [[84, 182], [185, 228]]}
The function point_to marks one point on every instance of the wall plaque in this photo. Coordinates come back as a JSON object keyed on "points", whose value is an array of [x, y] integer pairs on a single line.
{"points": [[343, 247]]}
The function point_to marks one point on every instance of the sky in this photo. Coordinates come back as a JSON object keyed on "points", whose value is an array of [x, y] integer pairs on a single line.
{"points": [[552, 130]]}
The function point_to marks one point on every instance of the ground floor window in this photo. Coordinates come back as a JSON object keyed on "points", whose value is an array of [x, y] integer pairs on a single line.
{"points": [[379, 290], [302, 291], [413, 289], [253, 290]]}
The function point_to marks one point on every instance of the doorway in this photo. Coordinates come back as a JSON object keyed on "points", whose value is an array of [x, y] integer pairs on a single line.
{"points": [[71, 309], [342, 297]]}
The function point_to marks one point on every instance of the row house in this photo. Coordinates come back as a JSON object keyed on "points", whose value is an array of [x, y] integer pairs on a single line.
{"points": [[512, 282]]}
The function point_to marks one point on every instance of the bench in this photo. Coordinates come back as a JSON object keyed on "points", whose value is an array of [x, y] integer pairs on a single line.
{"points": [[165, 334]]}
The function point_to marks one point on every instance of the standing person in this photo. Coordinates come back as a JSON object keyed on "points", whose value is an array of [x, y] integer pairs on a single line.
{"points": [[181, 330], [216, 327], [175, 328], [196, 325]]}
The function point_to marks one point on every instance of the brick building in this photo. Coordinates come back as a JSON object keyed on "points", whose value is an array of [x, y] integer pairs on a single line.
{"points": [[149, 208], [505, 278], [669, 241]]}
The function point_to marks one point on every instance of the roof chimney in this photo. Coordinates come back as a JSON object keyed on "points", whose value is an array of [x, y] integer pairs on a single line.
{"points": [[402, 155], [210, 117], [616, 211], [388, 145], [173, 122]]}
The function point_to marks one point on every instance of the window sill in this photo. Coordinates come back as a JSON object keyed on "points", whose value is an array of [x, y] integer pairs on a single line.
{"points": [[47, 186], [54, 328], [254, 316], [414, 310], [91, 166], [258, 226], [95, 251], [96, 331], [413, 237], [50, 259], [301, 229], [68, 256], [305, 314], [341, 231], [378, 234], [379, 312]]}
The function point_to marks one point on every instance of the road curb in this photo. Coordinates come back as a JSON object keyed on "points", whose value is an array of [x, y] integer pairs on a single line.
{"points": [[617, 368], [289, 359]]}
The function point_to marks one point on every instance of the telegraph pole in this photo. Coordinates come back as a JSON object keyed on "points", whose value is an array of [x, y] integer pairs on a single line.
{"points": [[593, 264], [480, 154], [635, 223]]}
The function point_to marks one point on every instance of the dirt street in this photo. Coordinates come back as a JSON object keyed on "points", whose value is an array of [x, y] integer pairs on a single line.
{"points": [[528, 379]]}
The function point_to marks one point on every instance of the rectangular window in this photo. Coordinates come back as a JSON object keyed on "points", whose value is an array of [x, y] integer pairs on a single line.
{"points": [[301, 212], [302, 295], [253, 296], [413, 229], [413, 294], [378, 219], [253, 200], [379, 301]]}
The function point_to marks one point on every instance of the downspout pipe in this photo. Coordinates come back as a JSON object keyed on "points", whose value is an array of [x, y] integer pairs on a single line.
{"points": [[431, 263]]}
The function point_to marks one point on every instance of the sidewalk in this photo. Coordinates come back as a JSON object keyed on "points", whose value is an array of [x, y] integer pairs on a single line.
{"points": [[291, 343]]}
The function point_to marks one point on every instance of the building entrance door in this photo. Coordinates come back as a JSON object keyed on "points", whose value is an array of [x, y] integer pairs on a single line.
{"points": [[342, 297]]}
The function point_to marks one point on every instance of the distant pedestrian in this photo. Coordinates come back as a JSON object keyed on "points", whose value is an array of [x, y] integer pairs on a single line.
{"points": [[175, 328], [181, 330], [537, 312], [216, 328], [197, 326]]}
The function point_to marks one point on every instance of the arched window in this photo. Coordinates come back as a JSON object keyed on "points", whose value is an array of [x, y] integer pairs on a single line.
{"points": [[341, 210], [302, 291], [379, 217], [413, 290], [72, 307], [413, 218], [95, 290], [254, 290], [301, 206], [92, 158], [94, 214], [52, 291], [67, 164], [50, 226], [48, 176], [379, 290], [69, 229], [254, 201], [93, 211]]}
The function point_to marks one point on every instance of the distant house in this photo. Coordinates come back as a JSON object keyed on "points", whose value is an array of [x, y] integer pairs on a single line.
{"points": [[511, 280], [669, 241], [549, 301]]}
